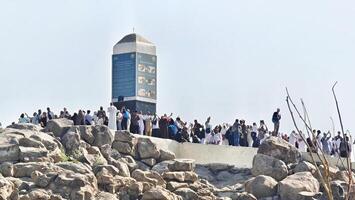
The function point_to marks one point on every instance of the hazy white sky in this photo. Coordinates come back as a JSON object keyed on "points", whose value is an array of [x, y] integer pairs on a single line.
{"points": [[227, 59]]}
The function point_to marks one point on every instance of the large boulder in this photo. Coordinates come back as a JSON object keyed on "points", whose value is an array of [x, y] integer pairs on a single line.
{"points": [[269, 166], [261, 186], [305, 166], [290, 187], [280, 149], [71, 141], [103, 135], [122, 147], [147, 149], [9, 149], [59, 126], [124, 136], [166, 155]]}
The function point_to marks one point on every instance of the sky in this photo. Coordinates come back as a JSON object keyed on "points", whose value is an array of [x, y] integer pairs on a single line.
{"points": [[225, 59]]}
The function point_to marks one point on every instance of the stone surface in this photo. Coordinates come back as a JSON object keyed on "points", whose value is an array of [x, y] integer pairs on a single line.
{"points": [[59, 126], [305, 166], [160, 194], [103, 135], [147, 149], [166, 155], [186, 193], [269, 166], [182, 165], [280, 149], [290, 187], [261, 186]]}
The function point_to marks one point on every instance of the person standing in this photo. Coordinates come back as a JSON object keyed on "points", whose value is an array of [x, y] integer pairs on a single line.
{"points": [[23, 118], [235, 133], [148, 124], [276, 117], [112, 120], [155, 128], [140, 123], [88, 118], [125, 118], [50, 114], [119, 120]]}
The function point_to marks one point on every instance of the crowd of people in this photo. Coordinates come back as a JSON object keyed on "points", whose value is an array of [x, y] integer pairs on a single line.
{"points": [[239, 133]]}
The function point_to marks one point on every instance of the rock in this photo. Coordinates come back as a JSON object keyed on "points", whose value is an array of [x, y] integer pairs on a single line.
{"points": [[26, 126], [186, 193], [261, 186], [172, 185], [149, 161], [160, 194], [59, 126], [132, 191], [290, 187], [93, 157], [343, 176], [41, 180], [9, 149], [39, 194], [162, 167], [122, 167], [180, 176], [269, 166], [122, 147], [217, 167], [166, 155], [305, 195], [6, 188], [31, 154], [7, 169], [147, 149], [85, 133], [182, 165], [102, 135], [150, 177], [280, 149], [142, 166], [110, 168], [29, 142], [125, 136], [245, 196], [71, 141], [305, 166], [338, 189], [106, 196], [332, 172]]}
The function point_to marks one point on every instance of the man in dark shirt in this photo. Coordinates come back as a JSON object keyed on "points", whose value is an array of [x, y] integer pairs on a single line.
{"points": [[276, 117]]}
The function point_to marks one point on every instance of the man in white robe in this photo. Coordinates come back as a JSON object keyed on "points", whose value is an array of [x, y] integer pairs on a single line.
{"points": [[112, 120]]}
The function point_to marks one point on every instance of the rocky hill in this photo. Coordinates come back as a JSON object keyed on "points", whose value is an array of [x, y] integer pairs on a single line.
{"points": [[64, 161]]}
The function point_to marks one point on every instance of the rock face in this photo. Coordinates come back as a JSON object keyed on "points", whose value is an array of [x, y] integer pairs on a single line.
{"points": [[280, 149], [262, 186], [290, 187], [64, 161], [59, 126], [269, 166]]}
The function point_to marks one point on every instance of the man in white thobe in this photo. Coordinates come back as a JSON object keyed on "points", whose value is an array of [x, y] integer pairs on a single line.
{"points": [[112, 120]]}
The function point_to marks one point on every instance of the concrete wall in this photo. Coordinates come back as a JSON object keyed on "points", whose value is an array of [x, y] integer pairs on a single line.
{"points": [[238, 156], [205, 154]]}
